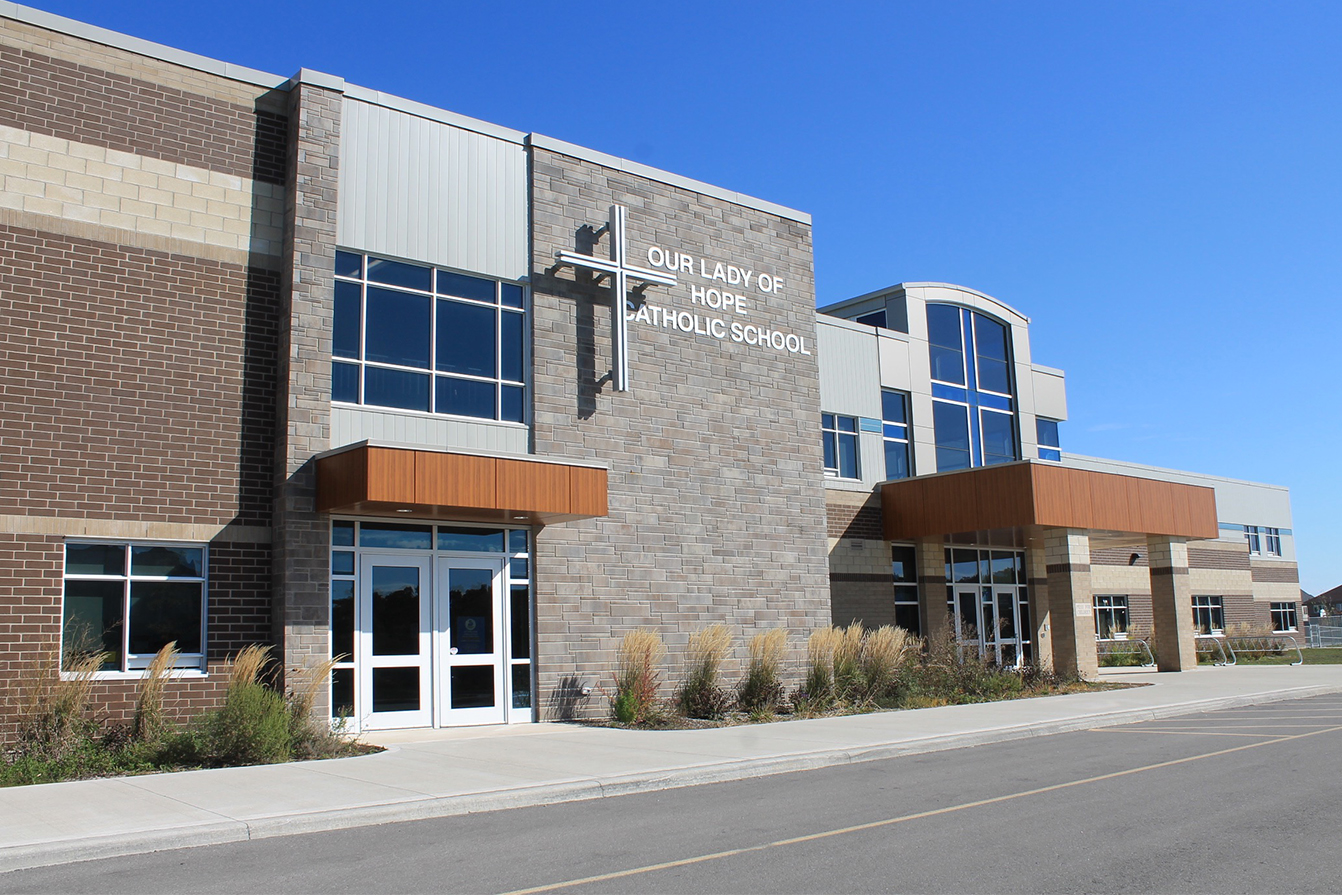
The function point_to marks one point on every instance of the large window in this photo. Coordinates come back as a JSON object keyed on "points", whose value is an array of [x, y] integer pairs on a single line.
{"points": [[126, 601], [1284, 617], [904, 567], [419, 338], [840, 437], [973, 410], [1263, 540], [1046, 432], [895, 432], [1208, 615], [1111, 616]]}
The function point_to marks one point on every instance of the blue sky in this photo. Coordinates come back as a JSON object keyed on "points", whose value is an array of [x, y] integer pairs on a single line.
{"points": [[1157, 185]]}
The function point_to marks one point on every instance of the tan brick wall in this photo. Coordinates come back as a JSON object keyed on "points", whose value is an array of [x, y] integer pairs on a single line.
{"points": [[87, 183]]}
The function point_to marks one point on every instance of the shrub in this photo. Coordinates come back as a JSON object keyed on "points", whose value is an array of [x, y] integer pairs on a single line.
{"points": [[762, 691], [636, 676], [701, 696], [52, 707]]}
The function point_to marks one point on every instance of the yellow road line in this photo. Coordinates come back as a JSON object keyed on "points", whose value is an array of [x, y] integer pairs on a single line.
{"points": [[874, 825], [1182, 733]]}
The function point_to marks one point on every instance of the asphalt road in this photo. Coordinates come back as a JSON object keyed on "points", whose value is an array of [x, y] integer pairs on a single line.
{"points": [[1232, 801]]}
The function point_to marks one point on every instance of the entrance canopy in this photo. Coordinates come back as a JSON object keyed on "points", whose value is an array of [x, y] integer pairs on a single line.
{"points": [[1033, 494], [408, 483]]}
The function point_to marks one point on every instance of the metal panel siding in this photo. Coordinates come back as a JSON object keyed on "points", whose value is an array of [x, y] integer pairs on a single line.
{"points": [[427, 191], [351, 424], [850, 372], [1050, 395]]}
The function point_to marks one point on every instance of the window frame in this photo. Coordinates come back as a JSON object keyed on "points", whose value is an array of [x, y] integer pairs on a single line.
{"points": [[833, 434], [1050, 449], [1212, 607], [134, 665], [978, 402], [1290, 612], [1262, 540], [436, 295], [890, 433], [1108, 605]]}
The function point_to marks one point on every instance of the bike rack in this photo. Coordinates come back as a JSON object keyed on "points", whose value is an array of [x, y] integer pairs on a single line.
{"points": [[1222, 646], [1286, 641], [1146, 647]]}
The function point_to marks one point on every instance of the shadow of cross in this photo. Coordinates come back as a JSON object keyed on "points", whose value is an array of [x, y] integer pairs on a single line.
{"points": [[621, 273]]}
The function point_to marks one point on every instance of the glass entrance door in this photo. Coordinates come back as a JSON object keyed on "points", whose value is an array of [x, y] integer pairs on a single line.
{"points": [[989, 619], [469, 630], [394, 645]]}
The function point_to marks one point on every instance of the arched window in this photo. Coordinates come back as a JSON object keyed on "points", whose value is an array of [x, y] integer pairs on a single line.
{"points": [[973, 395]]}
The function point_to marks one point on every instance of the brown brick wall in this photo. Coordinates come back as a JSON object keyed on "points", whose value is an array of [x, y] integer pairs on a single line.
{"points": [[135, 385], [30, 625], [844, 519], [88, 105]]}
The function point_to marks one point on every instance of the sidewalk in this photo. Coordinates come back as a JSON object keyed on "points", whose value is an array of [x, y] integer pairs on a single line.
{"points": [[426, 774]]}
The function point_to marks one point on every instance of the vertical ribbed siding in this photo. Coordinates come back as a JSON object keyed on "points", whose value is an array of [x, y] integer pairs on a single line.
{"points": [[427, 191]]}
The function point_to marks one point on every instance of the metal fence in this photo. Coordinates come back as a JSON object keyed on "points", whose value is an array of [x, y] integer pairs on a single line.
{"points": [[1324, 631]]}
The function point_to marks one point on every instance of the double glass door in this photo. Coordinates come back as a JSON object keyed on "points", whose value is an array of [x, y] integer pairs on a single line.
{"points": [[430, 644], [993, 618]]}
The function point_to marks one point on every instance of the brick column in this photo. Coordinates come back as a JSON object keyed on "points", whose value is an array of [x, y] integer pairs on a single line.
{"points": [[1036, 577], [1171, 604], [931, 553], [302, 602], [1071, 603]]}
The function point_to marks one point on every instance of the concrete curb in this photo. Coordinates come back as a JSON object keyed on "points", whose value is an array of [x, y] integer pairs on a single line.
{"points": [[427, 808]]}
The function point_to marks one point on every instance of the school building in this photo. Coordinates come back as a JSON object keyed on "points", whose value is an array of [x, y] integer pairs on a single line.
{"points": [[287, 360]]}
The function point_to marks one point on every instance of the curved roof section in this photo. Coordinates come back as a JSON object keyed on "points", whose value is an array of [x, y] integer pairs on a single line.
{"points": [[935, 292]]}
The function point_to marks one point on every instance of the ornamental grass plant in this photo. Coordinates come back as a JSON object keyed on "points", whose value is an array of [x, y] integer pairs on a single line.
{"points": [[761, 692], [701, 696], [636, 673]]}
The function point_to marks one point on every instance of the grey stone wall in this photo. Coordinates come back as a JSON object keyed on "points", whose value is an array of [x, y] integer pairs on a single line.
{"points": [[302, 566], [717, 509]]}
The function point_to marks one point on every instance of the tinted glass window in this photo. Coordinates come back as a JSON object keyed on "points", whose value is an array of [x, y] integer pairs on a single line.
{"points": [[345, 383], [348, 264], [999, 437], [948, 364], [943, 326], [951, 427], [994, 375], [465, 397], [170, 562], [162, 612], [875, 318], [896, 460], [397, 331], [511, 346], [345, 326], [465, 339], [396, 388], [95, 559], [1047, 431], [903, 564], [892, 407], [512, 409], [398, 273], [512, 295], [990, 338], [463, 286], [401, 537], [477, 539]]}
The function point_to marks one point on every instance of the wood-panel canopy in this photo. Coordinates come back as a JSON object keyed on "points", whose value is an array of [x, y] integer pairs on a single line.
{"points": [[1018, 495], [406, 483]]}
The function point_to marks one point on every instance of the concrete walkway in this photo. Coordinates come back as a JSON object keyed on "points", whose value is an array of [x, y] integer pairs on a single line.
{"points": [[426, 774]]}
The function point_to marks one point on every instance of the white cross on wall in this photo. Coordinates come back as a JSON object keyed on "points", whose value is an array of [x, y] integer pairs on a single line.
{"points": [[620, 272]]}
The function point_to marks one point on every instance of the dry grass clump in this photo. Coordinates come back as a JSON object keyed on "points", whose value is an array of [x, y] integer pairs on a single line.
{"points": [[701, 696], [848, 662], [761, 692], [821, 648], [52, 703], [636, 675], [150, 721], [883, 651]]}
